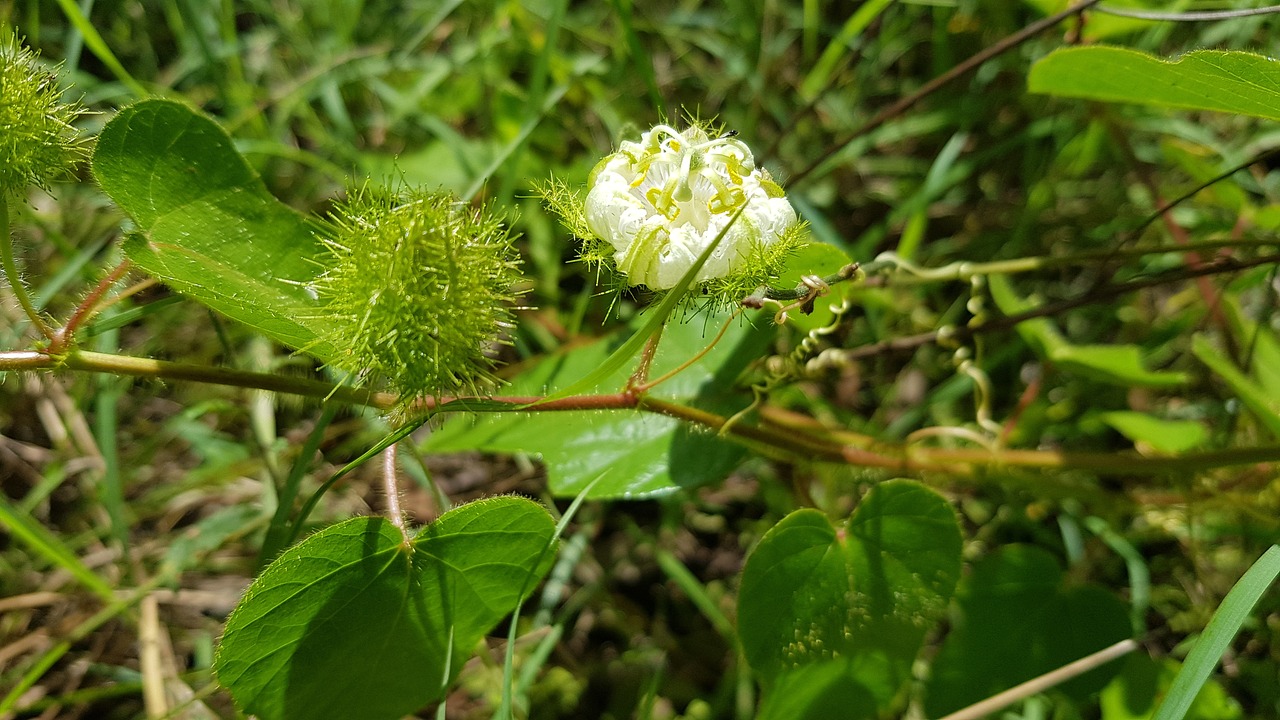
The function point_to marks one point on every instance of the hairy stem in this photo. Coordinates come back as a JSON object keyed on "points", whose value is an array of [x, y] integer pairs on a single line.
{"points": [[62, 337], [790, 442], [391, 485], [11, 271]]}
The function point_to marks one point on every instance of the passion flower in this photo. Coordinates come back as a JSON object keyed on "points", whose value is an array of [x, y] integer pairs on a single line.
{"points": [[654, 206]]}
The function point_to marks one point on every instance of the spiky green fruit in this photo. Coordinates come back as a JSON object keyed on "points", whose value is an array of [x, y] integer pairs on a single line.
{"points": [[37, 141], [419, 287]]}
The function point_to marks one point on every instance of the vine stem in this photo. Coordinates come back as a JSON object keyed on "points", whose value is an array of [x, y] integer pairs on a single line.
{"points": [[11, 271], [646, 385], [1106, 292], [904, 273], [62, 337], [790, 443], [391, 485]]}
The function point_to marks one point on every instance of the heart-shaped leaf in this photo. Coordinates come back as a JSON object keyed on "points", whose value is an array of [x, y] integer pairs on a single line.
{"points": [[1017, 621], [207, 225], [358, 621], [866, 592]]}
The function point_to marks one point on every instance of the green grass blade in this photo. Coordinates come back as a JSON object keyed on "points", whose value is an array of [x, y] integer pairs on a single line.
{"points": [[639, 60], [1135, 565], [1218, 634], [505, 710], [820, 76], [278, 530], [1255, 398], [550, 100], [105, 427], [697, 592], [99, 47], [53, 654], [46, 544]]}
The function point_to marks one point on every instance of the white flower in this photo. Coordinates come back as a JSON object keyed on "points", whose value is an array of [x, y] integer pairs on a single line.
{"points": [[661, 201]]}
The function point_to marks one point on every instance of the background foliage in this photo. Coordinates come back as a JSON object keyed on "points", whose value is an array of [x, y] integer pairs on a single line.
{"points": [[153, 500]]}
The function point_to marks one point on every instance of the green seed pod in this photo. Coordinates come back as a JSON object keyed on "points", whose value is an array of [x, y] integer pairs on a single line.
{"points": [[37, 141], [419, 286]]}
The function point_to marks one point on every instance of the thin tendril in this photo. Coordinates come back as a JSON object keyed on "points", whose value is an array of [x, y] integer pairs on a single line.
{"points": [[1194, 16]]}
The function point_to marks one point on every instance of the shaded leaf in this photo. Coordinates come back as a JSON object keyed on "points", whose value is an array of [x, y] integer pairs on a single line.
{"points": [[1143, 682], [634, 455], [1169, 436], [1115, 364], [818, 692], [1099, 25], [356, 622], [1264, 406], [1015, 620], [865, 594]]}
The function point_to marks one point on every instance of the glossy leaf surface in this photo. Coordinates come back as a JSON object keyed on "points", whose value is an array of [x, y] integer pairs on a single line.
{"points": [[207, 226]]}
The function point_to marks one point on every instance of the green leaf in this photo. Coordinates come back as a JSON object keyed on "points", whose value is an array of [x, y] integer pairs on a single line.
{"points": [[866, 593], [1115, 364], [818, 692], [355, 621], [207, 226], [1143, 682], [1226, 622], [1121, 365], [1168, 436], [634, 455], [1263, 346], [1227, 81], [1264, 406], [1016, 621]]}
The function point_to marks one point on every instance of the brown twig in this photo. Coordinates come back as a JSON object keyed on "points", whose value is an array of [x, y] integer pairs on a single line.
{"points": [[907, 102]]}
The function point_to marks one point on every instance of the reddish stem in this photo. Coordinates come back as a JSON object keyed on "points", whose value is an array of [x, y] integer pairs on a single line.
{"points": [[62, 337]]}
